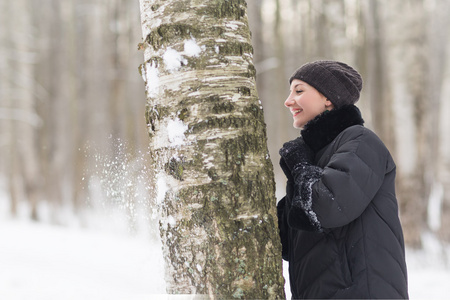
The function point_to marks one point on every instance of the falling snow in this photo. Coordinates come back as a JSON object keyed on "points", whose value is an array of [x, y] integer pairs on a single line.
{"points": [[118, 184]]}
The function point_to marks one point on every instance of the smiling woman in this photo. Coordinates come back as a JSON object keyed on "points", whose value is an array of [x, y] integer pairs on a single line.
{"points": [[305, 102], [338, 222]]}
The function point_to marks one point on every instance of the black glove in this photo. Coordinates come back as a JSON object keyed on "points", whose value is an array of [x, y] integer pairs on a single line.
{"points": [[295, 153]]}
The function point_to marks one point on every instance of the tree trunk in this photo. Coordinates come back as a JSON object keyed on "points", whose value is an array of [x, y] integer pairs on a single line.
{"points": [[438, 87], [25, 128], [214, 177], [376, 86], [408, 72]]}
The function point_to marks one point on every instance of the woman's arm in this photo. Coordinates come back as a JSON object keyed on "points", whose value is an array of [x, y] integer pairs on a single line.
{"points": [[337, 194], [351, 178], [296, 159]]}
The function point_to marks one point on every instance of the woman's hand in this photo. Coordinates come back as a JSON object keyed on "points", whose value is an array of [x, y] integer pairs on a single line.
{"points": [[295, 153]]}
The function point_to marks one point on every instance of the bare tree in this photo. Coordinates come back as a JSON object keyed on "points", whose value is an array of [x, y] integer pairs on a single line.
{"points": [[377, 88], [413, 111], [24, 169], [214, 177], [437, 173]]}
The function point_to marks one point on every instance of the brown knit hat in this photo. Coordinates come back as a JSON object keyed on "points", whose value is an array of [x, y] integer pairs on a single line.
{"points": [[337, 81]]}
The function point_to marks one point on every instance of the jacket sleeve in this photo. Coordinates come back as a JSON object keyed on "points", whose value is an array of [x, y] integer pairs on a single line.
{"points": [[351, 179], [283, 228]]}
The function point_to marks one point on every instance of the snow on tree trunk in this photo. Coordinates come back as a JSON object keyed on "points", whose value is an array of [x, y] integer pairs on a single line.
{"points": [[213, 175]]}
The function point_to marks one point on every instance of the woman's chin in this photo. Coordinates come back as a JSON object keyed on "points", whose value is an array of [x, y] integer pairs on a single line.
{"points": [[298, 124]]}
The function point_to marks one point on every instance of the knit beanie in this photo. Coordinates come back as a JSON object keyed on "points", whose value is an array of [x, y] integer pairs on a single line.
{"points": [[337, 81]]}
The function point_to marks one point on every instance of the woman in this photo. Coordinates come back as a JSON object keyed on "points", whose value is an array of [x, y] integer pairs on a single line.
{"points": [[338, 222]]}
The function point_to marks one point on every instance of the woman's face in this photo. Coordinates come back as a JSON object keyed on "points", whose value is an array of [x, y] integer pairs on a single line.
{"points": [[305, 103]]}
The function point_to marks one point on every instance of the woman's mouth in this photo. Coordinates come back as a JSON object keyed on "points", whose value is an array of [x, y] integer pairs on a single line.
{"points": [[296, 112]]}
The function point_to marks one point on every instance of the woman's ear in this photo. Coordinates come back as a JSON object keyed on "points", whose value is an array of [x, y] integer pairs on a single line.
{"points": [[328, 104]]}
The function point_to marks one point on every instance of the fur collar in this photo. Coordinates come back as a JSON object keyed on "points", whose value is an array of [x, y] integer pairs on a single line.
{"points": [[324, 128]]}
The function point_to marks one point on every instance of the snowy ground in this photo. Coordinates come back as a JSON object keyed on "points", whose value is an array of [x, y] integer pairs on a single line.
{"points": [[39, 261]]}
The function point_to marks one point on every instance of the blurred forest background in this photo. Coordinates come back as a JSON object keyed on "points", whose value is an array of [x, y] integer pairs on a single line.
{"points": [[72, 127]]}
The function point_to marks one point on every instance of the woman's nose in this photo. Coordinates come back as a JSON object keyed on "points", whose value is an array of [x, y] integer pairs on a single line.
{"points": [[288, 101]]}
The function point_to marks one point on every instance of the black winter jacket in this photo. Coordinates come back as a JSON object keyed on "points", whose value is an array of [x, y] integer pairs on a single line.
{"points": [[339, 221]]}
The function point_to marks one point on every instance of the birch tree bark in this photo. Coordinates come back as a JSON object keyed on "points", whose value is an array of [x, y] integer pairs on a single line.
{"points": [[214, 178]]}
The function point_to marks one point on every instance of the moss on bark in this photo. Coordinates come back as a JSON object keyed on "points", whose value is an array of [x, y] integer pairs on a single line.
{"points": [[221, 9], [165, 34]]}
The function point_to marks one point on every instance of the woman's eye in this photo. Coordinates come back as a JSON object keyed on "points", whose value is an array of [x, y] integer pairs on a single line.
{"points": [[299, 91]]}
